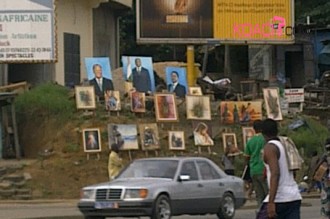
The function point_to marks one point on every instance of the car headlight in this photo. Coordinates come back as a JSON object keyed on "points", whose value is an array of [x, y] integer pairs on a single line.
{"points": [[136, 193], [87, 194]]}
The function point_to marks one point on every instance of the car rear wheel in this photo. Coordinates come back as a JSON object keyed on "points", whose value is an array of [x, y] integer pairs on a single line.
{"points": [[162, 208], [227, 208]]}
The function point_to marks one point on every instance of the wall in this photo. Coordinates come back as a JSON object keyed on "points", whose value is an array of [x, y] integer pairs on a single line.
{"points": [[74, 16]]}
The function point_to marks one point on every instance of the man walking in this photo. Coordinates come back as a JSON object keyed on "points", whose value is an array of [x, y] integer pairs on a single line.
{"points": [[284, 199], [253, 154]]}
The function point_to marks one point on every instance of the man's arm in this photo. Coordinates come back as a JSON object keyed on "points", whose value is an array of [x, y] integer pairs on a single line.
{"points": [[271, 156]]}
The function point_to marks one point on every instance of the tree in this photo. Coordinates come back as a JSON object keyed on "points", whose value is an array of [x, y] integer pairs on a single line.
{"points": [[317, 10]]}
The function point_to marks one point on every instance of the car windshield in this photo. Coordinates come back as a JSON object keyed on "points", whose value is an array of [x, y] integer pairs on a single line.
{"points": [[151, 168]]}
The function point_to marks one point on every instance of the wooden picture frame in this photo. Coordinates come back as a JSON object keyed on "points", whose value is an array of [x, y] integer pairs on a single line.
{"points": [[85, 97], [198, 107], [149, 136], [91, 140], [138, 102], [202, 133], [240, 112], [230, 144], [247, 133], [165, 106], [112, 100], [125, 135], [195, 91], [176, 140], [272, 103]]}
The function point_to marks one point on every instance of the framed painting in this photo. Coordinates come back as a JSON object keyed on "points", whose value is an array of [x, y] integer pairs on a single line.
{"points": [[176, 140], [230, 144], [139, 70], [198, 107], [247, 133], [165, 106], [195, 91], [240, 112], [85, 97], [138, 102], [202, 134], [99, 74], [149, 136], [92, 140], [272, 103], [112, 100], [125, 135], [176, 81]]}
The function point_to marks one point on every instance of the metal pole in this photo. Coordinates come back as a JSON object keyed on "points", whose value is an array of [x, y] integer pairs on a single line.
{"points": [[191, 73]]}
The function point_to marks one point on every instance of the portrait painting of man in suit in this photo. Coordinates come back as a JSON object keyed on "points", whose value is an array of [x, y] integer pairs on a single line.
{"points": [[139, 71], [176, 81], [99, 75]]}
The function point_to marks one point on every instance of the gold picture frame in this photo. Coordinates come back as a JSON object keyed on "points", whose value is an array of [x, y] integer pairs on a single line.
{"points": [[247, 133], [272, 103], [112, 100], [230, 144], [91, 139], [198, 107], [85, 97], [149, 136], [176, 140], [138, 102], [165, 106]]}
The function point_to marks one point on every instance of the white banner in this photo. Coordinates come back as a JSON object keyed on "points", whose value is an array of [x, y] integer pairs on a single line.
{"points": [[295, 95], [27, 31]]}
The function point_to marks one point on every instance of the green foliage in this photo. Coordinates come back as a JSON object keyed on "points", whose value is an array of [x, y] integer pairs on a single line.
{"points": [[309, 137], [45, 100], [318, 10]]}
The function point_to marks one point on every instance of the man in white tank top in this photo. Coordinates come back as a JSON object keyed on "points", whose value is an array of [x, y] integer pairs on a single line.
{"points": [[284, 199]]}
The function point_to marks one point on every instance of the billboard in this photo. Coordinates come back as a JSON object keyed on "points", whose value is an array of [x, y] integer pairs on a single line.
{"points": [[215, 21], [256, 21], [175, 21], [27, 31]]}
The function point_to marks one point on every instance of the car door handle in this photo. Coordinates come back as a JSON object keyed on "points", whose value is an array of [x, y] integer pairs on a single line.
{"points": [[200, 185], [221, 184]]}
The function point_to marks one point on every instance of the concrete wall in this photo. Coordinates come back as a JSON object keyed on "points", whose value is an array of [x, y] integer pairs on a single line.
{"points": [[74, 16], [104, 36]]}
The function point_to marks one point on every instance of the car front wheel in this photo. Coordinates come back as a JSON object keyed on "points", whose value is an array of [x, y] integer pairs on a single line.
{"points": [[162, 208], [227, 208]]}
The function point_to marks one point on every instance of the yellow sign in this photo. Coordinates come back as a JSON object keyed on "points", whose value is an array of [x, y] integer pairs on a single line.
{"points": [[253, 20]]}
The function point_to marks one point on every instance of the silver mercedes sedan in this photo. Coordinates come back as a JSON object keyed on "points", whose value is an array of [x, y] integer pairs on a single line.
{"points": [[163, 187]]}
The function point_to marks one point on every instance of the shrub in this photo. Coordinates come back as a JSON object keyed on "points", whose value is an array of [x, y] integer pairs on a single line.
{"points": [[48, 99]]}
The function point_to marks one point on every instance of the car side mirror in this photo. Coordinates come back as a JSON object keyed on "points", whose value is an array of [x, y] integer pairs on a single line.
{"points": [[184, 178]]}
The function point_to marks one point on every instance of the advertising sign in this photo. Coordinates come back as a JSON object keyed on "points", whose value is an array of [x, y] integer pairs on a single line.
{"points": [[254, 21], [295, 95], [215, 21], [176, 21], [27, 31]]}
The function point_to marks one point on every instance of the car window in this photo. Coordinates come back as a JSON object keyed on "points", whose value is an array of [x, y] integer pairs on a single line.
{"points": [[189, 168], [151, 168], [207, 171]]}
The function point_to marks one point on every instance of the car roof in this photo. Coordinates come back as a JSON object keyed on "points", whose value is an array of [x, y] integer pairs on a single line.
{"points": [[173, 158]]}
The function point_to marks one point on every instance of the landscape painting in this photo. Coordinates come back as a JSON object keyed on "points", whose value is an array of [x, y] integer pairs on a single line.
{"points": [[125, 135]]}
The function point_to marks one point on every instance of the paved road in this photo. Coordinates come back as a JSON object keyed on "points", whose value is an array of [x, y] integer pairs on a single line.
{"points": [[68, 210]]}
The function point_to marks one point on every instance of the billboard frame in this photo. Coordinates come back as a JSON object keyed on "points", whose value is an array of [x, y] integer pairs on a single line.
{"points": [[212, 40]]}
